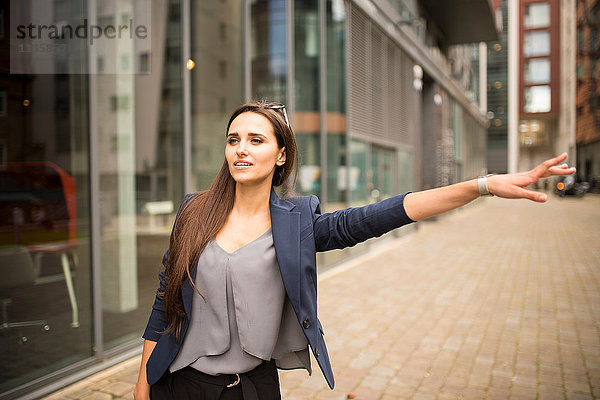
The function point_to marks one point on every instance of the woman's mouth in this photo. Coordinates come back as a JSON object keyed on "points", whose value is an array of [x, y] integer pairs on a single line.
{"points": [[242, 164]]}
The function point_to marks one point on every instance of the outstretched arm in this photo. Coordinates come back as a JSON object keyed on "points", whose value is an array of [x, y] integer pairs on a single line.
{"points": [[425, 204]]}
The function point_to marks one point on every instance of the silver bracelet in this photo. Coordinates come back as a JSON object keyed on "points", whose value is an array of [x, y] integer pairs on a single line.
{"points": [[483, 186]]}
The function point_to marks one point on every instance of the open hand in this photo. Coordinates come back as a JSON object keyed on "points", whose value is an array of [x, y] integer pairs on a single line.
{"points": [[512, 186]]}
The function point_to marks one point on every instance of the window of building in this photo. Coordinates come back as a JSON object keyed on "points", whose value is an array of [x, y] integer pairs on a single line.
{"points": [[223, 69], [144, 60], [223, 31], [1, 24], [537, 15], [537, 99], [2, 103], [579, 69], [536, 43], [537, 70]]}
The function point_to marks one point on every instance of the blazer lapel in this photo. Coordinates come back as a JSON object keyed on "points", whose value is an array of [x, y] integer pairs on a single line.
{"points": [[285, 226]]}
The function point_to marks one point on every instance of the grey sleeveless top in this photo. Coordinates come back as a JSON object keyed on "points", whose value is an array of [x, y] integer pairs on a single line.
{"points": [[245, 316]]}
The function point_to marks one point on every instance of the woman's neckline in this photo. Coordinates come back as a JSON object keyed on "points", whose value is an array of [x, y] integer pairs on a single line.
{"points": [[214, 239]]}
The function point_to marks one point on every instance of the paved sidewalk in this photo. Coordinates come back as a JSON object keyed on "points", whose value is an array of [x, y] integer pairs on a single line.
{"points": [[498, 301]]}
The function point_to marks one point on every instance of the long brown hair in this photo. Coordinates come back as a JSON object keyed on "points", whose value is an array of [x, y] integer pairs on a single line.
{"points": [[203, 216]]}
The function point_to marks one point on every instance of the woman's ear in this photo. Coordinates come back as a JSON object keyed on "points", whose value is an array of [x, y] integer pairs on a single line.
{"points": [[281, 158]]}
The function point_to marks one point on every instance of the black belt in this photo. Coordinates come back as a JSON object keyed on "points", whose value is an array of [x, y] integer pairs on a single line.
{"points": [[230, 381]]}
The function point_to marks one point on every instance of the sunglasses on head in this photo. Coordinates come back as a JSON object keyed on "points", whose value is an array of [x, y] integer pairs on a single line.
{"points": [[282, 108]]}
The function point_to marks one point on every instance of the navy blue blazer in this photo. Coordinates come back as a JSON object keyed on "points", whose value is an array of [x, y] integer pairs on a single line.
{"points": [[299, 231]]}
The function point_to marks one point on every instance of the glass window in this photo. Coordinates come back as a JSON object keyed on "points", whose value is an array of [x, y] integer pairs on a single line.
{"points": [[45, 286], [537, 15], [337, 193], [383, 174], [406, 166], [537, 71], [536, 43], [268, 53], [356, 175], [217, 83], [140, 174], [537, 99], [306, 95]]}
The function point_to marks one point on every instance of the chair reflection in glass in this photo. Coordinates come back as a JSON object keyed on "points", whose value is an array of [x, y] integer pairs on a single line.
{"points": [[17, 270]]}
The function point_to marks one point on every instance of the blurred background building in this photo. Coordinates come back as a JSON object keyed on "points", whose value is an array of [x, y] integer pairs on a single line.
{"points": [[99, 142], [531, 84], [588, 92]]}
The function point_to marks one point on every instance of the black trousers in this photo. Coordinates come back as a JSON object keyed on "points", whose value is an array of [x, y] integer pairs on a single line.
{"points": [[262, 383]]}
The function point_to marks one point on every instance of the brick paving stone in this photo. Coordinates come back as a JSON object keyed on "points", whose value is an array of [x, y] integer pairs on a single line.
{"points": [[500, 300], [97, 396], [118, 388]]}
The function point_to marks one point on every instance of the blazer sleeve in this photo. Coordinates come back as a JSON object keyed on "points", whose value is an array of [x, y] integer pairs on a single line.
{"points": [[158, 319], [350, 226]]}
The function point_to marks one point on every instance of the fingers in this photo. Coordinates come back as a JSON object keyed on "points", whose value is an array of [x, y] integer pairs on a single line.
{"points": [[541, 169], [531, 195], [561, 170]]}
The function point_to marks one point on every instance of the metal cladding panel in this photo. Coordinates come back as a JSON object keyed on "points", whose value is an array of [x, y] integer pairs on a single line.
{"points": [[381, 96], [409, 100], [379, 83], [394, 97], [359, 71]]}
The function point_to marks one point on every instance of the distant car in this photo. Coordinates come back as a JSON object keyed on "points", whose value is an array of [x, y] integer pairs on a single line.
{"points": [[568, 186]]}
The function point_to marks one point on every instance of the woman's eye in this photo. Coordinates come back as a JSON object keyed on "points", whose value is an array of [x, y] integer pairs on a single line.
{"points": [[257, 140], [232, 141]]}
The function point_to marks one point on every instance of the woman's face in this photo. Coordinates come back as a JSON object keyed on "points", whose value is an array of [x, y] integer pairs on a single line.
{"points": [[252, 151]]}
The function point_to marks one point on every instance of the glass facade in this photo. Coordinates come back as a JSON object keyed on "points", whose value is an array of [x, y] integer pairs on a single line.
{"points": [[335, 120], [307, 115], [45, 290], [268, 49]]}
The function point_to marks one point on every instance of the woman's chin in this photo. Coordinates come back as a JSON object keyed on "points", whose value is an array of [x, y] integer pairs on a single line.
{"points": [[242, 179]]}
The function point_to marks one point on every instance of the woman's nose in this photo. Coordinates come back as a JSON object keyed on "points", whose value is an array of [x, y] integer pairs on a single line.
{"points": [[241, 150]]}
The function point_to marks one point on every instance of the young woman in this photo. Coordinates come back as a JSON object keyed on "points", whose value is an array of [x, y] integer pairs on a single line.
{"points": [[238, 296]]}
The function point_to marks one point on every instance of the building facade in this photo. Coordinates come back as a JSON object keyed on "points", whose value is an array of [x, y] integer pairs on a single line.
{"points": [[497, 92], [588, 92], [111, 111], [542, 75]]}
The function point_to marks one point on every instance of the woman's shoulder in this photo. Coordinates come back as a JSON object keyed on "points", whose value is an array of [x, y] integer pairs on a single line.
{"points": [[305, 201]]}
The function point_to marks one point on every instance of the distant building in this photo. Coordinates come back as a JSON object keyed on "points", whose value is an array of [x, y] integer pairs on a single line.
{"points": [[588, 91], [497, 92], [544, 81]]}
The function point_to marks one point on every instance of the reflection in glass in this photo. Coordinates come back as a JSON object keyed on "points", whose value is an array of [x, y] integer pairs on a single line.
{"points": [[45, 292], [537, 15], [536, 43], [140, 148], [406, 171], [217, 87], [337, 191], [537, 71], [356, 175], [383, 173], [306, 92], [268, 52], [537, 99]]}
